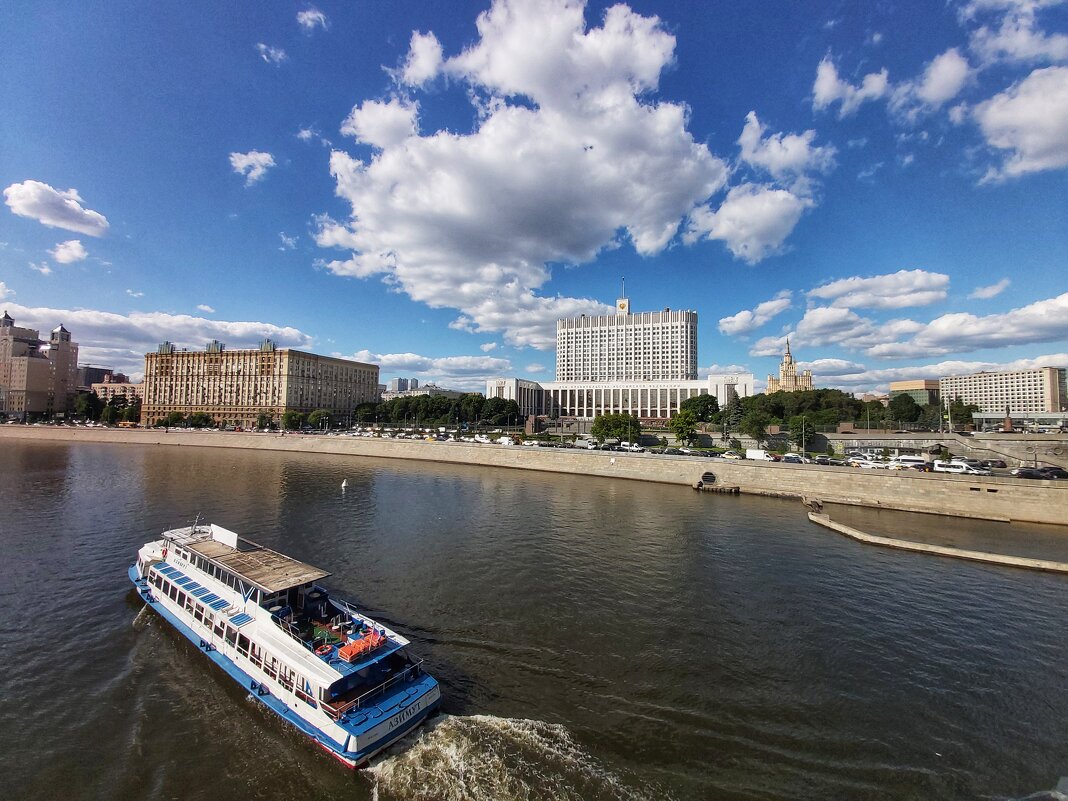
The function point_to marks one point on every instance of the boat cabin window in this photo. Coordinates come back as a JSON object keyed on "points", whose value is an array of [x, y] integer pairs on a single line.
{"points": [[231, 635]]}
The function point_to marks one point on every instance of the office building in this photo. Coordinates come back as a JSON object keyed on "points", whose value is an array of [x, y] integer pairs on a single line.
{"points": [[403, 384], [925, 393], [37, 377], [1018, 391], [236, 386], [789, 379], [643, 363], [432, 390]]}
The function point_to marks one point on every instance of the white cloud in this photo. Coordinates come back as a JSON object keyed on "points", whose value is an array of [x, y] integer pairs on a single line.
{"points": [[992, 291], [748, 320], [424, 59], [5, 291], [204, 307], [570, 155], [879, 379], [1016, 36], [134, 294], [753, 221], [122, 340], [830, 325], [486, 347], [382, 125], [306, 134], [942, 80], [54, 208], [253, 165], [830, 89], [782, 155], [456, 372], [890, 291], [311, 18], [721, 369], [535, 367], [272, 55], [830, 367], [1042, 321], [68, 252], [1030, 121], [288, 242], [41, 267]]}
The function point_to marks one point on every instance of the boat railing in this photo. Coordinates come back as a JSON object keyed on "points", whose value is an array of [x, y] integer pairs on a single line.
{"points": [[337, 711]]}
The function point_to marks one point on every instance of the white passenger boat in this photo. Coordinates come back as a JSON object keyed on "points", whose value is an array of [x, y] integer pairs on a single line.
{"points": [[343, 679]]}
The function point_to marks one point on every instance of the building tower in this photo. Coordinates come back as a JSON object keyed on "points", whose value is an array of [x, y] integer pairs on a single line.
{"points": [[789, 380]]}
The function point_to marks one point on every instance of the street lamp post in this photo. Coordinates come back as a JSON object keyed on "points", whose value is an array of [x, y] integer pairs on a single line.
{"points": [[803, 436]]}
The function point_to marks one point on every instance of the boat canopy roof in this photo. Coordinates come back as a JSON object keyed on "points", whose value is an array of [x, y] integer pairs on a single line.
{"points": [[266, 569]]}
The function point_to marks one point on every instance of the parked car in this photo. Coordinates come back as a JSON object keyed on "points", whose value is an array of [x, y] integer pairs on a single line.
{"points": [[999, 463], [732, 455], [960, 468], [1028, 472], [1054, 472]]}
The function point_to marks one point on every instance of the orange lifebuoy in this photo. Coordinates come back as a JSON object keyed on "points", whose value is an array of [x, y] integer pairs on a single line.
{"points": [[323, 650]]}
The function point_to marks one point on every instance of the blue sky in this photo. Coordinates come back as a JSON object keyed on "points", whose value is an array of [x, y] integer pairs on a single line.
{"points": [[430, 185]]}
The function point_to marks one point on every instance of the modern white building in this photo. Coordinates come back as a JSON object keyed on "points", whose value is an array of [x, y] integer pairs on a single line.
{"points": [[1019, 391], [643, 364]]}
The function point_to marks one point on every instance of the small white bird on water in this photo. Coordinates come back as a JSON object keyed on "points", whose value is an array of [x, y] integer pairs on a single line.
{"points": [[344, 483]]}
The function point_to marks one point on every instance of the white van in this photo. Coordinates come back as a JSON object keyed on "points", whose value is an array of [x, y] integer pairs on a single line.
{"points": [[906, 462], [960, 468]]}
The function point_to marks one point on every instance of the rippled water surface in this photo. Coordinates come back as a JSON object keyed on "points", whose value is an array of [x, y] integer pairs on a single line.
{"points": [[595, 639]]}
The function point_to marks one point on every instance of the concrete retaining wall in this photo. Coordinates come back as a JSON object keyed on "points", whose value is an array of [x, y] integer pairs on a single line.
{"points": [[991, 498]]}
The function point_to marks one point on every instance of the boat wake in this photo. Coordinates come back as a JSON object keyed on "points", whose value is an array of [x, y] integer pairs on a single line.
{"points": [[480, 757]]}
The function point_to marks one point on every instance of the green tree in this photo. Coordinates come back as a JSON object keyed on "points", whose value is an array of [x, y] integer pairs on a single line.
{"points": [[755, 425], [132, 413], [961, 412], [904, 408], [703, 407], [292, 420], [801, 431], [320, 418], [264, 420], [367, 412], [174, 419], [200, 420], [87, 405], [109, 414], [684, 425], [623, 427]]}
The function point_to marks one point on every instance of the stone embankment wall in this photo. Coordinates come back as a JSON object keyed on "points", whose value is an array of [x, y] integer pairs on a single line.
{"points": [[992, 498]]}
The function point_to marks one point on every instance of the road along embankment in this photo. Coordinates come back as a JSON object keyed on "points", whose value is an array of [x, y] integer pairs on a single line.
{"points": [[990, 498]]}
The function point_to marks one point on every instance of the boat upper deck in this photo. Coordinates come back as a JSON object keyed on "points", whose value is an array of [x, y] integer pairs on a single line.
{"points": [[262, 567]]}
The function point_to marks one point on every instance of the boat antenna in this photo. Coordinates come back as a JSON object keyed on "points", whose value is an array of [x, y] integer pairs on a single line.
{"points": [[196, 522]]}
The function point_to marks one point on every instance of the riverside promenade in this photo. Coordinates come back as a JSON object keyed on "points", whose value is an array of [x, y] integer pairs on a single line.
{"points": [[989, 498]]}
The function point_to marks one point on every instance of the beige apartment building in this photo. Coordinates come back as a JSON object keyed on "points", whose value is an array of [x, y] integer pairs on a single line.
{"points": [[1039, 390], [37, 377], [236, 386], [112, 387]]}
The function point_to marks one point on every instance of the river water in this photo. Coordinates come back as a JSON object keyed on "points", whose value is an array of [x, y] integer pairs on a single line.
{"points": [[595, 639]]}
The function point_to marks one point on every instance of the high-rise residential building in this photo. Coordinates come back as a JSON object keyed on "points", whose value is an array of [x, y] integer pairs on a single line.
{"points": [[116, 385], [37, 377], [402, 384], [925, 393], [1019, 391], [789, 379], [642, 363], [236, 386]]}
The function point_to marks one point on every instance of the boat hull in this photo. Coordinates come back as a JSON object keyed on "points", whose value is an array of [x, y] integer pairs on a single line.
{"points": [[351, 759]]}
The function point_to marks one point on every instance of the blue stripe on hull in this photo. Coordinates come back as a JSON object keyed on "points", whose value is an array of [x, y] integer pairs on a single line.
{"points": [[350, 758]]}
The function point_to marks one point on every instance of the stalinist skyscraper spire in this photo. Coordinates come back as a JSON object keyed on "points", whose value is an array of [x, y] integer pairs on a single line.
{"points": [[789, 380]]}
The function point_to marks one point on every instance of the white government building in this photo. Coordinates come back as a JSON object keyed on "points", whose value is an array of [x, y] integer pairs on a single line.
{"points": [[643, 364]]}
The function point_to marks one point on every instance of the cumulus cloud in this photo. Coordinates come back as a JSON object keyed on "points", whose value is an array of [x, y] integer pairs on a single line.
{"points": [[1030, 121], [942, 80], [204, 307], [272, 55], [41, 267], [570, 154], [288, 242], [68, 252], [253, 165], [486, 347], [5, 291], [992, 291], [831, 367], [753, 221], [960, 332], [535, 367], [782, 155], [721, 369], [122, 340], [829, 325], [830, 89], [311, 18], [891, 291], [456, 372], [382, 125], [1015, 35], [424, 60], [54, 208], [748, 320]]}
